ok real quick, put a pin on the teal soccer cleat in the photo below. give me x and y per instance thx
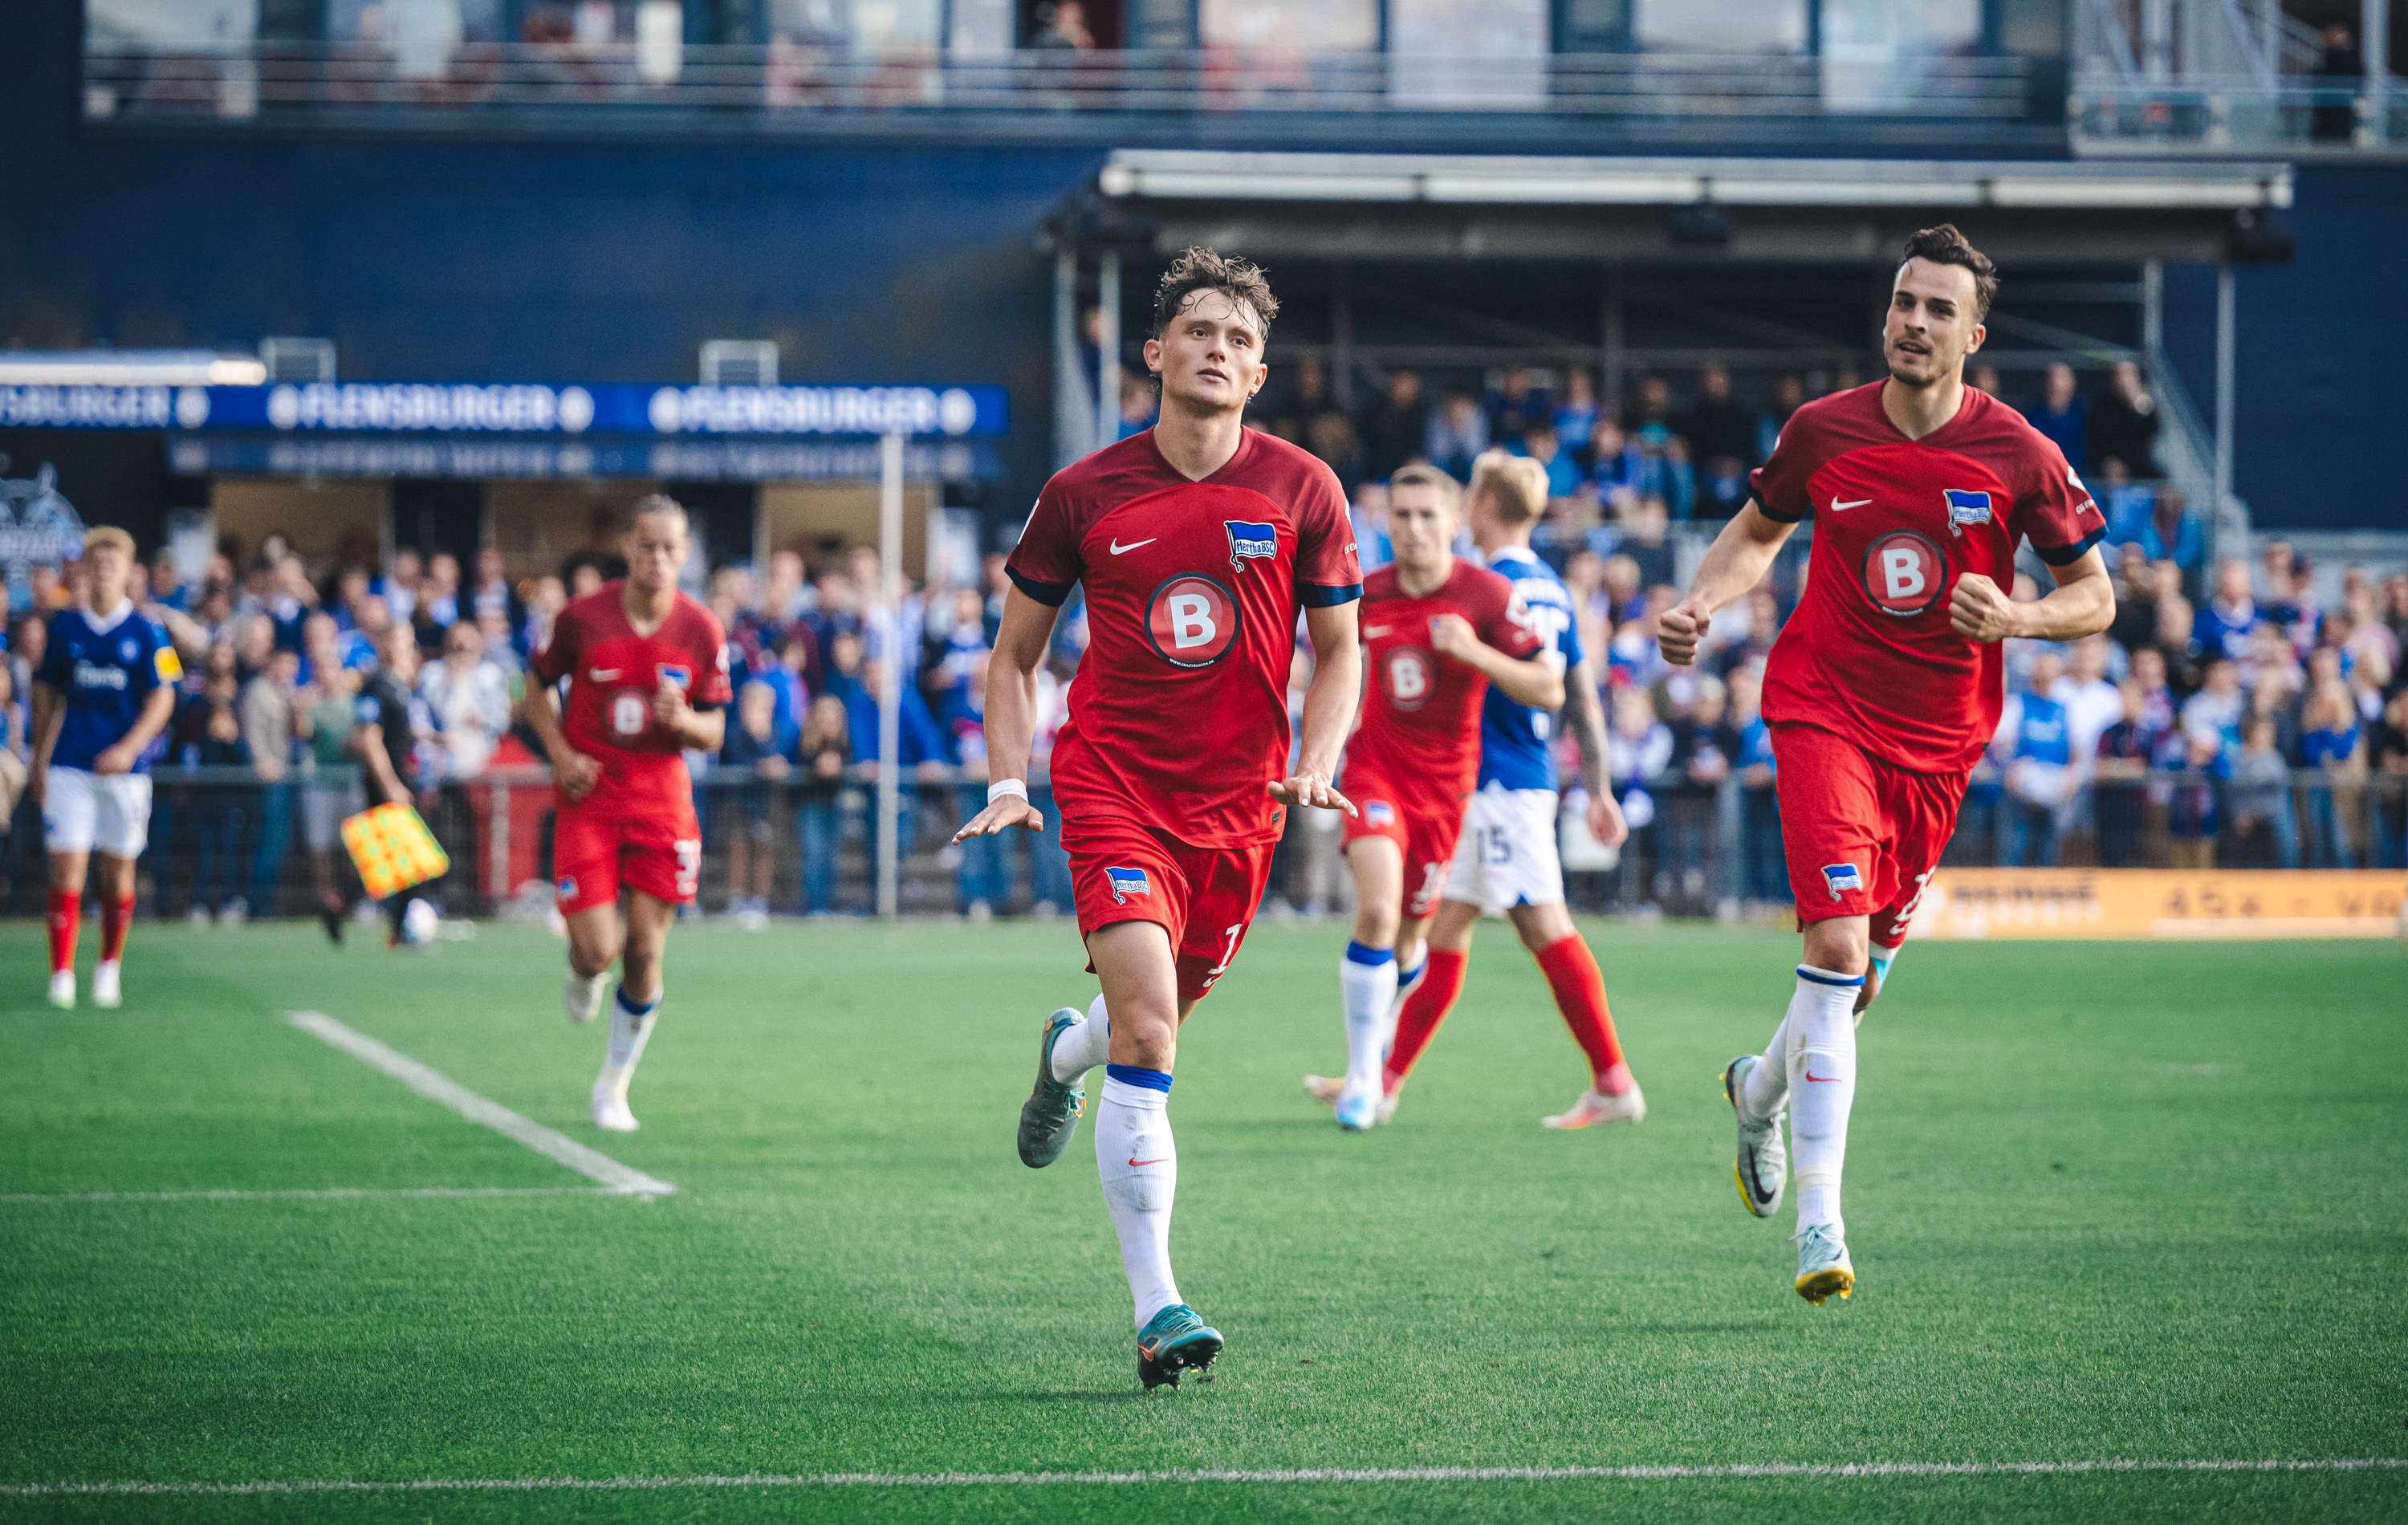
(1175, 1341)
(1762, 1168)
(1050, 1116)
(1824, 1270)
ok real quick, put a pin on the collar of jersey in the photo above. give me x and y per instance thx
(102, 627)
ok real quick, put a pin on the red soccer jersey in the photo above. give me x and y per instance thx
(1868, 654)
(612, 675)
(1179, 712)
(1421, 711)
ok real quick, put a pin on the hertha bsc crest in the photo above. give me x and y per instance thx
(1126, 882)
(1840, 878)
(1251, 541)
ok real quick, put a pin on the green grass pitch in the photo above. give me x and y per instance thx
(2106, 1202)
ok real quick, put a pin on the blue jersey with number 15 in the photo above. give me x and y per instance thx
(1514, 736)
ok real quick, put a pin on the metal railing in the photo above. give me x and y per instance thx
(2240, 116)
(219, 836)
(792, 86)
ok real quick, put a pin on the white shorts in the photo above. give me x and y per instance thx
(323, 809)
(103, 812)
(1507, 853)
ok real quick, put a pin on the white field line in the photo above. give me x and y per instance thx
(1740, 1470)
(439, 1086)
(306, 1194)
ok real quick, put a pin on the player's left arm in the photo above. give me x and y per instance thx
(1584, 712)
(1524, 680)
(701, 730)
(1330, 703)
(2082, 604)
(159, 672)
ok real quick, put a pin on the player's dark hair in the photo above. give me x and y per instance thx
(1944, 245)
(661, 503)
(1198, 268)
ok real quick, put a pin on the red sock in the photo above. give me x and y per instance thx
(1580, 994)
(67, 914)
(1423, 1010)
(115, 919)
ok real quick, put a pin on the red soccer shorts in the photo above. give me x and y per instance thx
(1203, 897)
(1861, 835)
(594, 852)
(1423, 830)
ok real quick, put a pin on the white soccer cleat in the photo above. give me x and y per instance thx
(611, 1111)
(1596, 1110)
(62, 990)
(1327, 1090)
(1824, 1270)
(1761, 1167)
(107, 990)
(582, 996)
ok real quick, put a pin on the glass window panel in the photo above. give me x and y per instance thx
(861, 25)
(170, 25)
(1721, 26)
(1302, 26)
(1477, 54)
(1879, 55)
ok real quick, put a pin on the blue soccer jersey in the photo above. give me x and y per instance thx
(105, 669)
(1514, 736)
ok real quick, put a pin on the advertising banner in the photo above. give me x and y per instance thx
(2160, 903)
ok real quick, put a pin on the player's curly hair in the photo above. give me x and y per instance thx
(1944, 245)
(1198, 268)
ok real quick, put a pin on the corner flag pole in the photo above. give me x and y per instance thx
(891, 673)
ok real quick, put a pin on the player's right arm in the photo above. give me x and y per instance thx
(556, 659)
(1734, 564)
(1021, 642)
(49, 713)
(1330, 701)
(1584, 712)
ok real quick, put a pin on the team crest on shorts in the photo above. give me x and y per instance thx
(1251, 541)
(567, 886)
(1840, 878)
(1379, 813)
(1126, 882)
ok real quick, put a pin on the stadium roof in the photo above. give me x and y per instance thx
(1373, 206)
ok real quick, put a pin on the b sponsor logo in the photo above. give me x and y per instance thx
(1409, 675)
(1129, 882)
(1904, 572)
(1841, 878)
(1192, 620)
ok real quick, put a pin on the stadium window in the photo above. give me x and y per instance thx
(1296, 26)
(1479, 54)
(1721, 26)
(871, 27)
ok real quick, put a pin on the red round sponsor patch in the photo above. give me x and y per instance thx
(1904, 572)
(1408, 676)
(1192, 620)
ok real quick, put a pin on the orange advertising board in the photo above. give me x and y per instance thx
(2160, 903)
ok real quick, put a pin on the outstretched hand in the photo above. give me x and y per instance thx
(1001, 815)
(1306, 787)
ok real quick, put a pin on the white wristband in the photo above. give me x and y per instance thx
(1006, 788)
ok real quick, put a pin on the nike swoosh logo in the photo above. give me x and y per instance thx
(1838, 507)
(1824, 1080)
(1118, 547)
(1149, 1161)
(602, 675)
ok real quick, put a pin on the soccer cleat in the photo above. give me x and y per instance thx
(332, 920)
(62, 990)
(1326, 1089)
(1596, 1110)
(1175, 1341)
(1823, 1268)
(1359, 1112)
(581, 994)
(1050, 1117)
(1762, 1168)
(106, 989)
(611, 1111)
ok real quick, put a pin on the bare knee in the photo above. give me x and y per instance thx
(1542, 927)
(1146, 1034)
(1840, 944)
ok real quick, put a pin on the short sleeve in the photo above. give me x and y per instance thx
(1567, 640)
(2054, 509)
(54, 670)
(1046, 564)
(556, 659)
(1329, 569)
(146, 674)
(716, 688)
(1781, 485)
(1508, 627)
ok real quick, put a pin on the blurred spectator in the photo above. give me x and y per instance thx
(2167, 531)
(1576, 416)
(1986, 379)
(207, 732)
(1539, 442)
(2192, 819)
(2338, 67)
(469, 700)
(2332, 748)
(1666, 474)
(1456, 432)
(15, 752)
(1515, 405)
(1330, 437)
(2216, 707)
(266, 719)
(2258, 798)
(1642, 539)
(2136, 597)
(2035, 747)
(2091, 703)
(1725, 489)
(492, 593)
(2388, 758)
(2224, 621)
(292, 602)
(2119, 793)
(1788, 396)
(438, 599)
(755, 744)
(1764, 878)
(2124, 423)
(2061, 416)
(398, 587)
(1139, 405)
(825, 752)
(1638, 747)
(1653, 404)
(330, 787)
(1062, 25)
(1718, 426)
(1395, 429)
(1619, 465)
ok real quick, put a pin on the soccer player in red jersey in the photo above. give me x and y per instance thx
(1885, 684)
(1437, 632)
(1197, 542)
(647, 674)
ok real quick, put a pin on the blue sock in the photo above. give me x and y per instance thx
(1407, 975)
(1130, 1075)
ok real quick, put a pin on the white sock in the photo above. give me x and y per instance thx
(1821, 1027)
(631, 1028)
(1083, 1047)
(1139, 1166)
(1767, 1086)
(1367, 982)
